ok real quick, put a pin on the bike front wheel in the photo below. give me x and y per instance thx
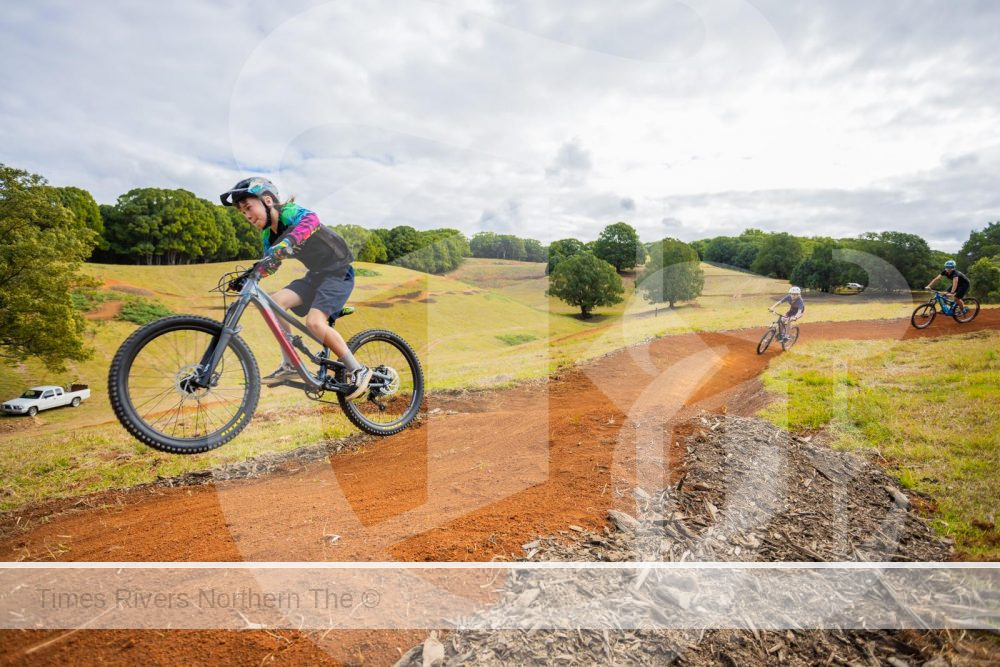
(152, 394)
(971, 311)
(765, 341)
(791, 336)
(392, 400)
(923, 316)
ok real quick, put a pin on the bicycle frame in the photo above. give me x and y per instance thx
(779, 324)
(270, 311)
(946, 306)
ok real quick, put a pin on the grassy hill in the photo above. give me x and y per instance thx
(487, 324)
(490, 323)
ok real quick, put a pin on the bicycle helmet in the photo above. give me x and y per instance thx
(950, 264)
(795, 290)
(249, 187)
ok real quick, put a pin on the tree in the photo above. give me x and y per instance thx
(908, 254)
(401, 242)
(778, 255)
(247, 237)
(42, 245)
(723, 250)
(366, 245)
(985, 243)
(619, 246)
(820, 270)
(373, 250)
(158, 226)
(485, 244)
(86, 210)
(739, 251)
(439, 251)
(985, 278)
(672, 274)
(586, 281)
(700, 246)
(561, 250)
(534, 251)
(746, 256)
(510, 247)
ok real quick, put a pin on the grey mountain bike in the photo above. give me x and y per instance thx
(187, 384)
(776, 330)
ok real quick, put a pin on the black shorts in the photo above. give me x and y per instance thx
(327, 292)
(962, 289)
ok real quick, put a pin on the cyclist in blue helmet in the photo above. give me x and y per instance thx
(290, 230)
(959, 282)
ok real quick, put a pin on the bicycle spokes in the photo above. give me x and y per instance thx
(164, 392)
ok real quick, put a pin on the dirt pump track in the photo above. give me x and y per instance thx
(484, 473)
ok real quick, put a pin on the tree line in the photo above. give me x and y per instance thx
(47, 232)
(815, 263)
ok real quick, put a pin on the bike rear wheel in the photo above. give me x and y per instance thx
(791, 336)
(395, 392)
(971, 311)
(765, 341)
(923, 316)
(152, 395)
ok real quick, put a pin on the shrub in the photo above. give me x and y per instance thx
(142, 312)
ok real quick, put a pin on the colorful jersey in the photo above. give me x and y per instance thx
(301, 235)
(963, 280)
(796, 304)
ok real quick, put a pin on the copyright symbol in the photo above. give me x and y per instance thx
(370, 598)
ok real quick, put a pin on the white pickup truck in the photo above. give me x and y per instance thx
(43, 398)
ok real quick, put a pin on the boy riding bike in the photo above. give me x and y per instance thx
(289, 230)
(796, 308)
(959, 282)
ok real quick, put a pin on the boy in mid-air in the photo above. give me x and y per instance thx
(796, 308)
(289, 230)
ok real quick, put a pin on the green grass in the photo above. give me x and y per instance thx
(929, 407)
(140, 311)
(516, 339)
(75, 464)
(488, 324)
(86, 300)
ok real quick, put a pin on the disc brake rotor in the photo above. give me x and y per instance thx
(391, 384)
(184, 382)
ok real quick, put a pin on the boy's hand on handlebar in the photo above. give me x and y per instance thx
(268, 265)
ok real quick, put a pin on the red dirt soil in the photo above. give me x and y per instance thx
(483, 474)
(106, 311)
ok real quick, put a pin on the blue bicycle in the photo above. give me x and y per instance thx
(925, 313)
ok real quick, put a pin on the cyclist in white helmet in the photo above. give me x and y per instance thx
(796, 308)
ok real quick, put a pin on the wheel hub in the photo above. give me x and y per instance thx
(392, 383)
(186, 382)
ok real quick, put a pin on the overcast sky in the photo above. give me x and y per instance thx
(544, 119)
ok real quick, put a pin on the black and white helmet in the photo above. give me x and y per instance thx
(254, 186)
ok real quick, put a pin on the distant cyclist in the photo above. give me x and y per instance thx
(959, 282)
(796, 308)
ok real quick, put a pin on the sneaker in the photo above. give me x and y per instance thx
(284, 372)
(360, 378)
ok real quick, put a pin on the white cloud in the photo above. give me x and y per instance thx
(543, 119)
